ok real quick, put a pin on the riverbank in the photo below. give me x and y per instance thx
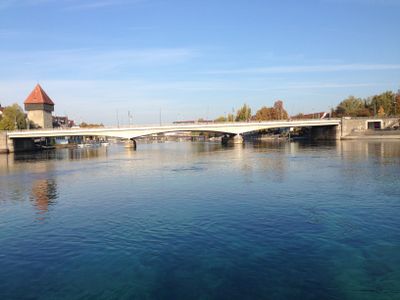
(374, 135)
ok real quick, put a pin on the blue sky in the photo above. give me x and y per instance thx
(193, 59)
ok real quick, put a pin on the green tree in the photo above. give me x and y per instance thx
(385, 100)
(13, 118)
(350, 106)
(220, 119)
(243, 114)
(231, 118)
(397, 104)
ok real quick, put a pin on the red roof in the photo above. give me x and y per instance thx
(38, 96)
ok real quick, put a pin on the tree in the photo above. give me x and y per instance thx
(243, 114)
(385, 100)
(231, 118)
(86, 125)
(381, 111)
(397, 103)
(299, 116)
(13, 118)
(280, 112)
(265, 114)
(272, 113)
(350, 106)
(220, 119)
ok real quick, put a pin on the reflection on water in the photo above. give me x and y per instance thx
(364, 149)
(44, 194)
(269, 220)
(39, 168)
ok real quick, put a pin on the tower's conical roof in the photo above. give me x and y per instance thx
(38, 96)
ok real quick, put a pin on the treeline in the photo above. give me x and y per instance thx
(385, 104)
(381, 105)
(244, 114)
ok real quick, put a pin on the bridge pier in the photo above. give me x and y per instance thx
(132, 144)
(232, 139)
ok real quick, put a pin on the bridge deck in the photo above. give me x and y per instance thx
(137, 131)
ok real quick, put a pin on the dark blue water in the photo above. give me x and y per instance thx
(202, 221)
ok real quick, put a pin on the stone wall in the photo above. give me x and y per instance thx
(326, 132)
(3, 143)
(41, 118)
(357, 125)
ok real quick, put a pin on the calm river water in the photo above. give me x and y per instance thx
(202, 221)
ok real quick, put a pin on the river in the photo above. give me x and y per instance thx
(202, 221)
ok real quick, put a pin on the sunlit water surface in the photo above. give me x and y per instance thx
(202, 221)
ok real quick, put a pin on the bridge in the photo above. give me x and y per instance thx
(234, 130)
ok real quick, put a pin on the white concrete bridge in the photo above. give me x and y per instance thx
(234, 129)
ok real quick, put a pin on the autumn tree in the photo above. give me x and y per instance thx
(299, 116)
(277, 112)
(280, 112)
(381, 111)
(264, 114)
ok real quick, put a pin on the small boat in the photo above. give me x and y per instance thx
(84, 145)
(45, 147)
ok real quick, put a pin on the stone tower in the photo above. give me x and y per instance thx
(39, 107)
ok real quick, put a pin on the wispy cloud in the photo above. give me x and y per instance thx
(89, 62)
(309, 69)
(365, 2)
(21, 3)
(100, 4)
(67, 4)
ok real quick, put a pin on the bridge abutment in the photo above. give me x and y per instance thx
(21, 145)
(8, 145)
(3, 143)
(326, 132)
